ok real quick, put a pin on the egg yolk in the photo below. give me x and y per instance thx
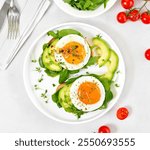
(73, 52)
(89, 93)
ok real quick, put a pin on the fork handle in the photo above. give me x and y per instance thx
(11, 3)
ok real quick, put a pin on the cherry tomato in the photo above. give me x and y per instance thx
(127, 4)
(147, 54)
(145, 17)
(122, 17)
(104, 129)
(122, 113)
(134, 15)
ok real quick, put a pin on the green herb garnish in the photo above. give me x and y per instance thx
(34, 60)
(117, 85)
(44, 95)
(36, 87)
(41, 78)
(54, 85)
(38, 69)
(118, 72)
(99, 36)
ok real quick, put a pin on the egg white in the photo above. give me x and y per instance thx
(67, 39)
(75, 98)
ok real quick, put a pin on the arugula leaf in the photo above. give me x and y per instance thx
(65, 32)
(73, 71)
(106, 83)
(55, 99)
(74, 110)
(86, 5)
(52, 33)
(67, 1)
(71, 80)
(108, 98)
(61, 33)
(64, 75)
(105, 3)
(51, 73)
(92, 61)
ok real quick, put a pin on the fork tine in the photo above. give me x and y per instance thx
(15, 33)
(13, 27)
(17, 26)
(13, 22)
(10, 27)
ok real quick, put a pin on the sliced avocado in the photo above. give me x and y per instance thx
(49, 59)
(62, 93)
(64, 97)
(112, 63)
(52, 45)
(66, 103)
(108, 75)
(103, 50)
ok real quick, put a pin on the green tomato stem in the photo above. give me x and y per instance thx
(143, 6)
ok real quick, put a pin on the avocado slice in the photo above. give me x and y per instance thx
(66, 103)
(112, 65)
(108, 75)
(64, 97)
(48, 58)
(103, 50)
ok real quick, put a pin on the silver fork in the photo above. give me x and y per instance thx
(13, 16)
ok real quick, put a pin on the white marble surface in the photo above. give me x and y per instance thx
(17, 113)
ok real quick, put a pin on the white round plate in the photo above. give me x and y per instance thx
(83, 14)
(31, 76)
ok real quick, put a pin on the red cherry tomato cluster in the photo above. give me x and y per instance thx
(133, 14)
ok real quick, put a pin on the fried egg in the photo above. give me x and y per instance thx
(72, 51)
(87, 93)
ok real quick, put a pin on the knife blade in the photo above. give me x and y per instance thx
(3, 12)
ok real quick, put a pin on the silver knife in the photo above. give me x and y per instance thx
(3, 12)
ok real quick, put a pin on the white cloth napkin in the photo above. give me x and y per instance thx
(28, 10)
